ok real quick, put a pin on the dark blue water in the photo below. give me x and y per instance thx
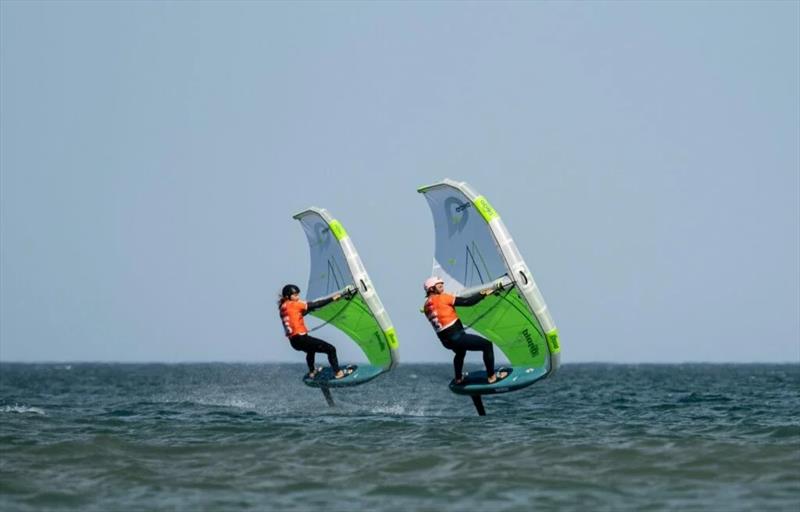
(237, 437)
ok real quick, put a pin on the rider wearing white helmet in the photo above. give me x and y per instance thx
(441, 312)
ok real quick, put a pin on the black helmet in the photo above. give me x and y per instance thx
(289, 290)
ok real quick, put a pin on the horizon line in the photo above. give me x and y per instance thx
(108, 361)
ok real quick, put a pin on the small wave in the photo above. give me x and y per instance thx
(397, 410)
(785, 431)
(23, 409)
(237, 403)
(696, 398)
(206, 401)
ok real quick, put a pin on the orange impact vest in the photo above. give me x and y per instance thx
(292, 317)
(440, 311)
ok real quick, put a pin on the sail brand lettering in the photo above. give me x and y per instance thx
(322, 234)
(457, 215)
(533, 348)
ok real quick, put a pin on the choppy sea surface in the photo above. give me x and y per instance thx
(110, 437)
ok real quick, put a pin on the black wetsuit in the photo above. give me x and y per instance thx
(458, 340)
(311, 345)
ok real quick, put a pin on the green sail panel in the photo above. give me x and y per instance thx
(505, 319)
(354, 318)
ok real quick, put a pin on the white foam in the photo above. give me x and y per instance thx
(237, 403)
(227, 402)
(23, 409)
(397, 410)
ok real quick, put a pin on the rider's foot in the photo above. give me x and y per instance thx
(497, 376)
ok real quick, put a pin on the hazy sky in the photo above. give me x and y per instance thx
(152, 155)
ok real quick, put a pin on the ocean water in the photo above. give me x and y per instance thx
(111, 437)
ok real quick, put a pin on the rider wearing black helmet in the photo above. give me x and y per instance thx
(292, 310)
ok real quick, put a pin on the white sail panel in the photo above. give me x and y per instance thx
(329, 271)
(465, 253)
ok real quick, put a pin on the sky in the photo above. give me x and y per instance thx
(152, 155)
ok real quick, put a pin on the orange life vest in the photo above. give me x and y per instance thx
(292, 317)
(440, 311)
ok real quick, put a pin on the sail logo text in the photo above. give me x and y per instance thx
(322, 234)
(457, 215)
(533, 348)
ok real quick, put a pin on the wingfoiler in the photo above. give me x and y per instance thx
(336, 268)
(473, 251)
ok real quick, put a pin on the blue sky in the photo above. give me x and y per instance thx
(152, 154)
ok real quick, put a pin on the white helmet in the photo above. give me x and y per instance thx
(431, 282)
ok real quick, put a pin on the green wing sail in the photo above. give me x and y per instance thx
(505, 318)
(337, 268)
(353, 317)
